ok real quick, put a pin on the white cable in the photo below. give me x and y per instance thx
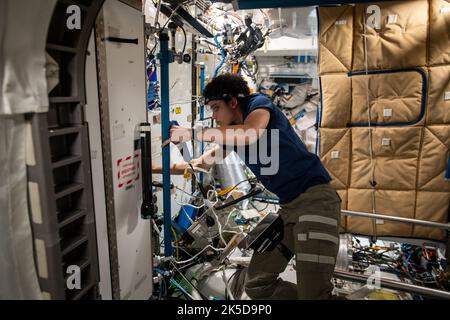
(189, 204)
(195, 256)
(225, 280)
(181, 248)
(367, 97)
(186, 203)
(366, 63)
(187, 216)
(230, 231)
(210, 206)
(220, 227)
(228, 218)
(185, 192)
(183, 102)
(209, 203)
(319, 105)
(157, 13)
(155, 227)
(171, 15)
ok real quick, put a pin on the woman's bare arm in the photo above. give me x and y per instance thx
(202, 163)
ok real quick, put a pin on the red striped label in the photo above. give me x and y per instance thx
(128, 169)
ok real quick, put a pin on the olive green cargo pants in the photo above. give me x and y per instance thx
(311, 232)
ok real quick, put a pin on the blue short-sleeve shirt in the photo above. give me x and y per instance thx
(298, 168)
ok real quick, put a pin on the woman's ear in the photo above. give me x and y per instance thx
(234, 102)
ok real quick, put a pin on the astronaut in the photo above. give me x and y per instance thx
(309, 206)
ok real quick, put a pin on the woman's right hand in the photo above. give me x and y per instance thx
(195, 164)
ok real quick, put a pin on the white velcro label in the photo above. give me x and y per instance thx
(324, 237)
(447, 96)
(334, 154)
(250, 214)
(302, 237)
(445, 9)
(386, 142)
(341, 22)
(387, 112)
(392, 18)
(379, 221)
(318, 219)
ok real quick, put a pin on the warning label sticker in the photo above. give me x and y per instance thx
(128, 170)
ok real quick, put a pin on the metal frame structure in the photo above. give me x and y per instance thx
(106, 153)
(66, 235)
(262, 4)
(424, 223)
(395, 285)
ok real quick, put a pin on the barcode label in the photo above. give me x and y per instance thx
(334, 154)
(392, 18)
(340, 22)
(386, 142)
(387, 112)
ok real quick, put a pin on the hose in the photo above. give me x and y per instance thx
(222, 52)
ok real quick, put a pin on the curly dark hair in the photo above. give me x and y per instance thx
(226, 86)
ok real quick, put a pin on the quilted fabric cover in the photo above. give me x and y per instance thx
(385, 116)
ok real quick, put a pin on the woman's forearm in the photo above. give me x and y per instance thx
(205, 162)
(236, 135)
(176, 168)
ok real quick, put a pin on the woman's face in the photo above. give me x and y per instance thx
(224, 113)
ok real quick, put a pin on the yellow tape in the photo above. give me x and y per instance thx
(225, 191)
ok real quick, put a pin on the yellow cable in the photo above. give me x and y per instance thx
(226, 191)
(176, 241)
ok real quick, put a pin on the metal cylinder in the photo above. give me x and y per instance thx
(231, 173)
(445, 226)
(344, 256)
(395, 285)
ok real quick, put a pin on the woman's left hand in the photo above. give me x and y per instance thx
(178, 134)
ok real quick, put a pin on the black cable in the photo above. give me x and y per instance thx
(255, 62)
(231, 277)
(187, 266)
(367, 256)
(252, 193)
(199, 184)
(234, 187)
(154, 48)
(146, 46)
(185, 39)
(169, 18)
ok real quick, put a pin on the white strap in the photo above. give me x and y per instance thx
(323, 236)
(318, 219)
(307, 257)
